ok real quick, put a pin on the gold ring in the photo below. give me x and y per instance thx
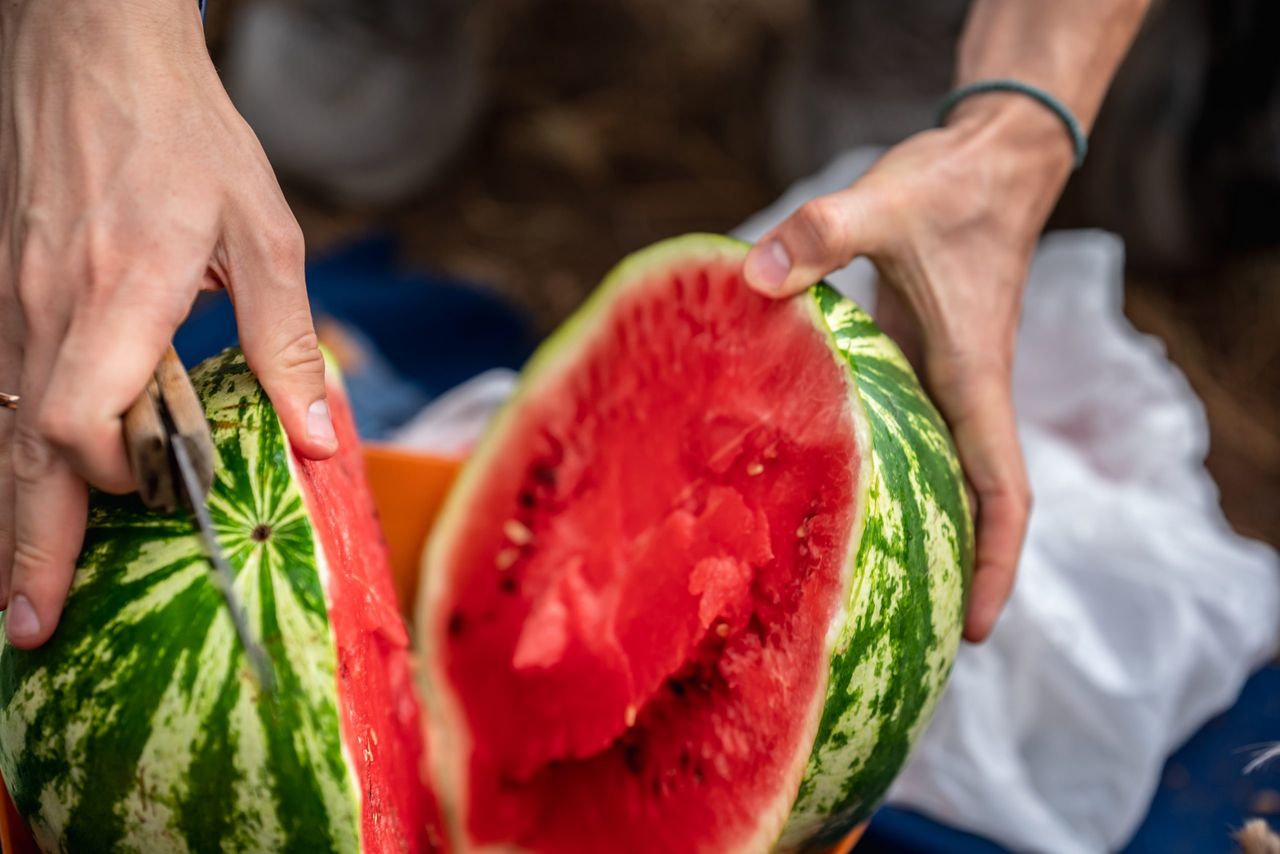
(9, 401)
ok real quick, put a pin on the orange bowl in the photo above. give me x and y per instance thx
(408, 490)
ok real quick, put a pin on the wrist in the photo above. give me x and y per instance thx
(1070, 50)
(1021, 142)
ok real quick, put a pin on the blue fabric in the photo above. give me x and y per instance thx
(897, 831)
(1203, 796)
(425, 332)
(1204, 793)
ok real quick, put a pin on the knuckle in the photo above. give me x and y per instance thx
(31, 290)
(1025, 497)
(823, 221)
(32, 456)
(285, 245)
(107, 265)
(298, 352)
(30, 559)
(59, 428)
(1017, 492)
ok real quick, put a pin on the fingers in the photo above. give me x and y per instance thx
(84, 361)
(269, 292)
(895, 318)
(110, 350)
(824, 235)
(10, 353)
(50, 505)
(979, 407)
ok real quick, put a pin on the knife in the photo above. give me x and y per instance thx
(171, 450)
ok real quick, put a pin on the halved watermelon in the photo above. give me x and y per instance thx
(138, 726)
(702, 584)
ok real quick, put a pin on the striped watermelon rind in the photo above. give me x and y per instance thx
(914, 557)
(893, 641)
(138, 726)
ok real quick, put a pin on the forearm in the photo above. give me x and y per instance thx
(97, 27)
(1071, 49)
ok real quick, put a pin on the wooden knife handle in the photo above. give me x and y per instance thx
(187, 414)
(147, 441)
(147, 435)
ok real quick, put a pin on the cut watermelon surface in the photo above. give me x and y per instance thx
(700, 587)
(381, 721)
(139, 726)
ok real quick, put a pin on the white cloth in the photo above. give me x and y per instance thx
(1137, 614)
(450, 424)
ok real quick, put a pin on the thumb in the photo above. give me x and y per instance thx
(266, 281)
(824, 235)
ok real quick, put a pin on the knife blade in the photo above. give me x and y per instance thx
(224, 575)
(171, 450)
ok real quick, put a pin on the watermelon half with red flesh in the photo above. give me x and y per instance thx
(702, 584)
(139, 725)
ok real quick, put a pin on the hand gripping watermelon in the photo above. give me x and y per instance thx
(138, 726)
(702, 584)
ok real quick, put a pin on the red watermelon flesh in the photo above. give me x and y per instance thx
(637, 590)
(381, 721)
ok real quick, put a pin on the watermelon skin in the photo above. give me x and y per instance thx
(915, 557)
(891, 642)
(138, 726)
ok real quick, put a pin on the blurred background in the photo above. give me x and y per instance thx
(532, 143)
(523, 146)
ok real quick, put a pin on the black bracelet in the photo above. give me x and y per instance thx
(1078, 141)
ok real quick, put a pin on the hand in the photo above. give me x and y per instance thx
(950, 218)
(129, 183)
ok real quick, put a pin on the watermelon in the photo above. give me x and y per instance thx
(702, 583)
(139, 726)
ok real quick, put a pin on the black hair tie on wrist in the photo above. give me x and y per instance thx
(1079, 143)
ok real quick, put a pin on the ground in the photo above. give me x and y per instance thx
(657, 127)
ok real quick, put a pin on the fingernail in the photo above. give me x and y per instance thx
(21, 619)
(772, 265)
(320, 425)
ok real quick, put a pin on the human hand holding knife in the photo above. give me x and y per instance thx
(171, 450)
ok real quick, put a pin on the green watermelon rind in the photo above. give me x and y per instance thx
(888, 668)
(210, 764)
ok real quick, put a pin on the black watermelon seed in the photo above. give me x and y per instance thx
(631, 755)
